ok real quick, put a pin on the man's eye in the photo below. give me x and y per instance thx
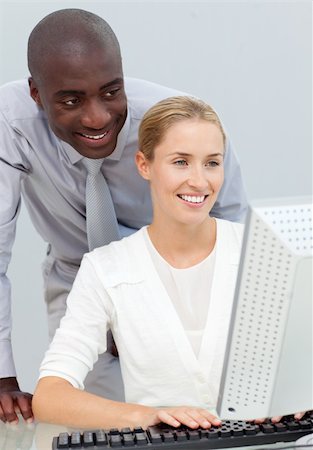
(71, 101)
(112, 93)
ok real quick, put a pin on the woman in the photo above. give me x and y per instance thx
(165, 292)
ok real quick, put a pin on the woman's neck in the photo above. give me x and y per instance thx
(183, 246)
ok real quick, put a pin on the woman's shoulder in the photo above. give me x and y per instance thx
(120, 260)
(230, 232)
(232, 227)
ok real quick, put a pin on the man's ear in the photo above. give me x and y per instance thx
(33, 90)
(143, 165)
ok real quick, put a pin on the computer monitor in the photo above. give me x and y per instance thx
(268, 366)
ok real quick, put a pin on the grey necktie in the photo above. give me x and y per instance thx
(102, 226)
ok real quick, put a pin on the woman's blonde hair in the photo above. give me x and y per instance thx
(160, 117)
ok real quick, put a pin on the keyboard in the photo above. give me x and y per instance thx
(163, 437)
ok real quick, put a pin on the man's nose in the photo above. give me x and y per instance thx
(95, 115)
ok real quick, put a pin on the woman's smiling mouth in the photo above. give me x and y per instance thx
(193, 198)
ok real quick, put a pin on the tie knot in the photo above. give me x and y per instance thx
(93, 166)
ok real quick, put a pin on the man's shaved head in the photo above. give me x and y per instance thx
(67, 32)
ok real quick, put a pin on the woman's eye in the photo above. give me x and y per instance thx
(213, 163)
(180, 162)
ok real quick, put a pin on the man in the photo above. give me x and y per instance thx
(80, 108)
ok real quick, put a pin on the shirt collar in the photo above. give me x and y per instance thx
(74, 156)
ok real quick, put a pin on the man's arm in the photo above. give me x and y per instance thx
(11, 173)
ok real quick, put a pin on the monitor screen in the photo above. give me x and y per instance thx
(268, 366)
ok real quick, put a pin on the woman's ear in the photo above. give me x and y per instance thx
(143, 165)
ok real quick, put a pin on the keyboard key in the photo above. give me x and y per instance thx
(237, 431)
(168, 436)
(280, 427)
(115, 440)
(63, 441)
(141, 438)
(251, 429)
(181, 436)
(193, 435)
(305, 424)
(225, 432)
(128, 439)
(100, 438)
(88, 439)
(268, 428)
(292, 425)
(114, 431)
(155, 438)
(76, 440)
(213, 433)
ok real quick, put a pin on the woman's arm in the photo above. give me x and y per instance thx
(57, 401)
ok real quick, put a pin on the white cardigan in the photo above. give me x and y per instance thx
(118, 287)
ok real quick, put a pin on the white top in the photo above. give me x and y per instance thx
(118, 287)
(51, 176)
(189, 290)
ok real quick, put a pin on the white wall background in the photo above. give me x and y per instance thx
(252, 60)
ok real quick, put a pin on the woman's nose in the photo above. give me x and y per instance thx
(198, 178)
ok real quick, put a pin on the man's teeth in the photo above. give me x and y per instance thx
(193, 199)
(99, 136)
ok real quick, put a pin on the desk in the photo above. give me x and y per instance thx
(39, 437)
(28, 437)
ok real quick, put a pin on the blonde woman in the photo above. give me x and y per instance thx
(165, 292)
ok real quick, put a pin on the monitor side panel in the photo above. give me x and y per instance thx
(294, 379)
(225, 395)
(260, 314)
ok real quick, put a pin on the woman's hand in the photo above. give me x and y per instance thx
(186, 415)
(276, 419)
(297, 416)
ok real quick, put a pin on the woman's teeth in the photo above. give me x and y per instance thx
(193, 199)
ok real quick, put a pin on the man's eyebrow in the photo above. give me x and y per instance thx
(64, 92)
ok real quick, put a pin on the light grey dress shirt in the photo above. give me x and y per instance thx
(51, 178)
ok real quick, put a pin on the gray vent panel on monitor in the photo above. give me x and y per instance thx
(277, 240)
(292, 224)
(257, 332)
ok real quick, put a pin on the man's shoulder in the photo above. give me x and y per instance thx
(16, 102)
(143, 87)
(142, 94)
(14, 89)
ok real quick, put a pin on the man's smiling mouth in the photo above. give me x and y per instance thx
(95, 137)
